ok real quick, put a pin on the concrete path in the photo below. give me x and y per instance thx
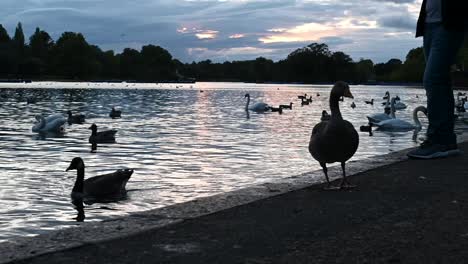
(409, 212)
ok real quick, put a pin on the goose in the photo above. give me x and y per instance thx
(115, 113)
(371, 102)
(325, 116)
(309, 99)
(258, 107)
(276, 109)
(287, 106)
(396, 124)
(305, 102)
(107, 136)
(51, 124)
(75, 119)
(335, 140)
(110, 185)
(353, 105)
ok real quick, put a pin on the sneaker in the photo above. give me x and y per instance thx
(429, 150)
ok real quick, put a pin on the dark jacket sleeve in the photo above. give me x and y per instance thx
(454, 16)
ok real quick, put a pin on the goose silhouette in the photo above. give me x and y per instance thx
(334, 140)
(107, 186)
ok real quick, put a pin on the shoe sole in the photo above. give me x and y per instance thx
(438, 155)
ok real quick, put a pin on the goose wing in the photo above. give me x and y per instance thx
(108, 184)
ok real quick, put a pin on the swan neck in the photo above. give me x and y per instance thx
(247, 104)
(416, 118)
(335, 106)
(79, 183)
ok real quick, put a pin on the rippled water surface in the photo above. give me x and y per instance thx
(183, 143)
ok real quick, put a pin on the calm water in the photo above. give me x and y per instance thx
(182, 143)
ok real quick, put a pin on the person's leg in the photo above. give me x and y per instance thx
(441, 48)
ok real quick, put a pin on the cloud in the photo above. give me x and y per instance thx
(222, 29)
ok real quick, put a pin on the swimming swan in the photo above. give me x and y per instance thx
(110, 185)
(396, 124)
(52, 124)
(335, 140)
(257, 107)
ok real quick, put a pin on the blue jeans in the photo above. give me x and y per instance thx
(440, 50)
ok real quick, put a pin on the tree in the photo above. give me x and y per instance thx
(4, 37)
(74, 58)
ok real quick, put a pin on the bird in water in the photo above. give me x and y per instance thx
(115, 113)
(353, 105)
(334, 140)
(107, 136)
(109, 186)
(75, 119)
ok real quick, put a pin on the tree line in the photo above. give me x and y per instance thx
(71, 57)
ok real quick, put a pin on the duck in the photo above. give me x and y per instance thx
(115, 113)
(287, 106)
(75, 119)
(276, 109)
(335, 140)
(51, 124)
(353, 105)
(325, 116)
(107, 136)
(258, 107)
(371, 102)
(395, 124)
(111, 185)
(398, 104)
(302, 97)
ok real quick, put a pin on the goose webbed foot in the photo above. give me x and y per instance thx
(344, 181)
(345, 185)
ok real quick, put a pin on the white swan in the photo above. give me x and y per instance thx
(375, 118)
(257, 107)
(396, 124)
(53, 123)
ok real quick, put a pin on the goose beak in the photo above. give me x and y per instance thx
(69, 168)
(348, 94)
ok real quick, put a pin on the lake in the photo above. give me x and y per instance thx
(184, 141)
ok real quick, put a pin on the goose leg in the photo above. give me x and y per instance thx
(344, 182)
(325, 170)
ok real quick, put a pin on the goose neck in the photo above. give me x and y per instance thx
(79, 183)
(247, 104)
(335, 106)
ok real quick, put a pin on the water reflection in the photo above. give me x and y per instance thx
(183, 143)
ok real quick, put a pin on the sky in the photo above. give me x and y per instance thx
(220, 30)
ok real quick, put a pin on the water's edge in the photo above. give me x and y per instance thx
(94, 232)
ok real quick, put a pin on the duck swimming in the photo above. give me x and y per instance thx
(335, 140)
(107, 136)
(75, 119)
(115, 113)
(110, 185)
